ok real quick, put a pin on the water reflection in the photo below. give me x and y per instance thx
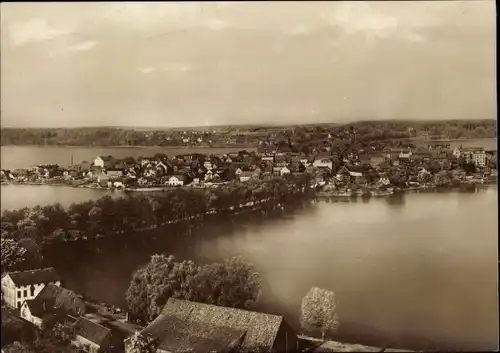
(404, 274)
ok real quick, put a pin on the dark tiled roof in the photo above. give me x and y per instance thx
(185, 318)
(107, 158)
(53, 298)
(177, 335)
(90, 330)
(25, 278)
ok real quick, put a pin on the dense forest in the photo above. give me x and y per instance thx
(364, 130)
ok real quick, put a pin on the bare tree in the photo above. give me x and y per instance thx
(318, 311)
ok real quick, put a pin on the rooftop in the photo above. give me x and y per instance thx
(26, 278)
(92, 331)
(192, 322)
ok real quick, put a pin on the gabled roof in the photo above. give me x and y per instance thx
(186, 320)
(53, 298)
(176, 335)
(106, 158)
(43, 275)
(90, 330)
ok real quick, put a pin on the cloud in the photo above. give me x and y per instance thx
(164, 14)
(83, 46)
(299, 29)
(147, 69)
(35, 30)
(65, 46)
(375, 22)
(173, 67)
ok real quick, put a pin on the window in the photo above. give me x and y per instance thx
(25, 293)
(19, 294)
(32, 290)
(18, 305)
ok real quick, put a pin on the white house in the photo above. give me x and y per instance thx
(323, 163)
(20, 286)
(207, 165)
(175, 180)
(103, 161)
(457, 153)
(475, 155)
(245, 176)
(91, 336)
(208, 175)
(284, 171)
(238, 171)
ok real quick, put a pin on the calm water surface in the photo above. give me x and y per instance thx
(418, 269)
(14, 157)
(19, 196)
(421, 268)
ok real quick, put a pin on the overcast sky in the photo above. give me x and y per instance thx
(190, 64)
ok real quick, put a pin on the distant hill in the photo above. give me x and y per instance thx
(244, 134)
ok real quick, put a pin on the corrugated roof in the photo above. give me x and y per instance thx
(90, 330)
(43, 275)
(260, 328)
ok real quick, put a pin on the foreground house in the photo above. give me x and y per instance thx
(51, 304)
(25, 285)
(184, 325)
(91, 336)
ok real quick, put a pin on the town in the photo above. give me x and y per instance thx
(363, 171)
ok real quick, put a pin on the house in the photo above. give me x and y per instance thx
(280, 160)
(457, 153)
(25, 285)
(91, 336)
(284, 171)
(104, 161)
(267, 157)
(101, 178)
(114, 173)
(323, 163)
(208, 175)
(51, 303)
(238, 171)
(184, 325)
(245, 176)
(405, 155)
(176, 180)
(476, 156)
(207, 165)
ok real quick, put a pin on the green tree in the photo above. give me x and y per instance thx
(319, 311)
(33, 254)
(232, 283)
(151, 286)
(13, 255)
(139, 343)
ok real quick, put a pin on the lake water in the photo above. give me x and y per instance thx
(14, 157)
(416, 270)
(19, 196)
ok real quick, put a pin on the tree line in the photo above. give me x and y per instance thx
(364, 130)
(25, 231)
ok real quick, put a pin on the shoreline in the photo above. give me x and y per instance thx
(396, 191)
(345, 194)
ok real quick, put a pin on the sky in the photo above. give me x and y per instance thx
(174, 64)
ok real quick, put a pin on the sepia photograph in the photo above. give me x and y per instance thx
(249, 177)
